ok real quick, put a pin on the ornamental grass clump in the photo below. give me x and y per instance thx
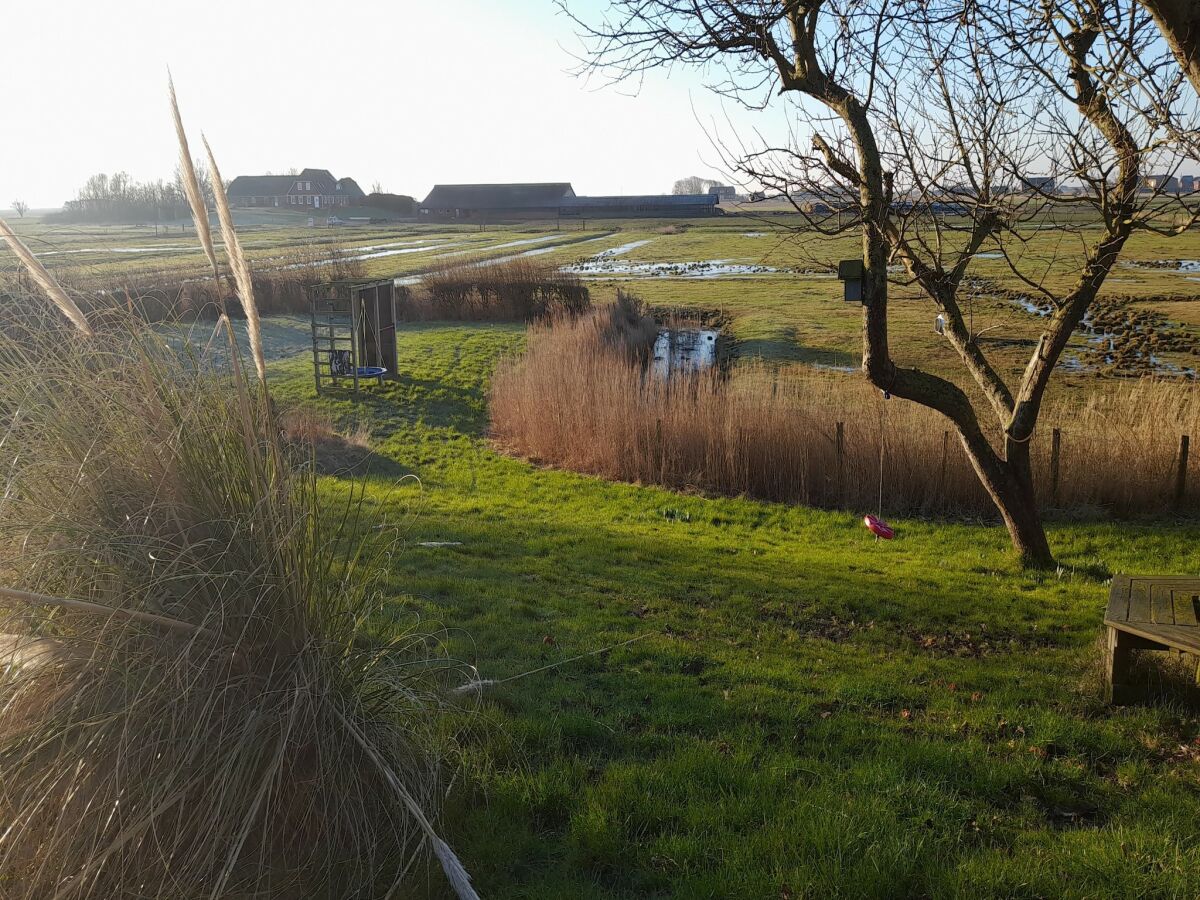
(190, 701)
(213, 724)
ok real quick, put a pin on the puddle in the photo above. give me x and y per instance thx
(754, 234)
(991, 254)
(829, 367)
(380, 254)
(173, 249)
(409, 243)
(678, 351)
(1032, 307)
(622, 250)
(355, 257)
(1118, 341)
(524, 242)
(410, 280)
(713, 268)
(1169, 265)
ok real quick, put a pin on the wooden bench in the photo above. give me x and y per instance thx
(1157, 612)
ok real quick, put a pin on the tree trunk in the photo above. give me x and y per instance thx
(1009, 482)
(1179, 22)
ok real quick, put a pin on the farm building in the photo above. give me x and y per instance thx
(660, 206)
(1166, 183)
(312, 188)
(1043, 184)
(489, 202)
(497, 202)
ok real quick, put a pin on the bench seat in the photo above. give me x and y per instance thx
(1148, 612)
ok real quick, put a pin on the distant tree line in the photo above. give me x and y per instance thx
(694, 184)
(118, 198)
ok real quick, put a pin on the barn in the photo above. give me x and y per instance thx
(494, 202)
(646, 206)
(553, 200)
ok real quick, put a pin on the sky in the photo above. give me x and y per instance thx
(406, 93)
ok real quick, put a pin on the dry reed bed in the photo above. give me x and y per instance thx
(519, 289)
(578, 398)
(192, 293)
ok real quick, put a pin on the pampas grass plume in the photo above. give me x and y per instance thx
(45, 280)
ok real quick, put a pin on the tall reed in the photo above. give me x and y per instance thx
(191, 183)
(579, 400)
(521, 288)
(240, 266)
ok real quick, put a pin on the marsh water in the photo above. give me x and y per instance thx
(678, 351)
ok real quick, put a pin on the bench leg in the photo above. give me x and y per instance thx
(1116, 666)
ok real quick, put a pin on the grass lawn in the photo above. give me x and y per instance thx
(809, 714)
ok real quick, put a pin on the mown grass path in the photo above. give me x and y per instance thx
(813, 715)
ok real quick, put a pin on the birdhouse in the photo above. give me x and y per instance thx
(852, 273)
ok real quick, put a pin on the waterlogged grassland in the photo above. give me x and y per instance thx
(775, 283)
(809, 714)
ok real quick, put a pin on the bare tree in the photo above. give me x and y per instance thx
(925, 124)
(693, 184)
(376, 187)
(20, 207)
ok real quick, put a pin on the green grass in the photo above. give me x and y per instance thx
(811, 715)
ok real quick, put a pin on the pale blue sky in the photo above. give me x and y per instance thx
(407, 92)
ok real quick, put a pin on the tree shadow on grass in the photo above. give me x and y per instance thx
(784, 347)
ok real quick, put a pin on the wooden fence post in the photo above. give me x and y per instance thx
(1181, 474)
(841, 480)
(660, 451)
(945, 457)
(1055, 456)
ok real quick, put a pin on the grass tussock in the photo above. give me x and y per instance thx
(578, 398)
(522, 289)
(257, 747)
(190, 705)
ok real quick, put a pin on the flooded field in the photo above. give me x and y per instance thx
(607, 267)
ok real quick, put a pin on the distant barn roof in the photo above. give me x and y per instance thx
(260, 185)
(498, 196)
(644, 200)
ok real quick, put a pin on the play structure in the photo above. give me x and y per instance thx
(353, 332)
